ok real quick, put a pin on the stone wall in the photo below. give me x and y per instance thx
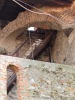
(59, 49)
(63, 50)
(38, 80)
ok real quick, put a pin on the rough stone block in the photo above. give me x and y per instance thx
(38, 80)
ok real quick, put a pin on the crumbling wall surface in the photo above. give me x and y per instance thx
(63, 50)
(70, 58)
(38, 80)
(59, 49)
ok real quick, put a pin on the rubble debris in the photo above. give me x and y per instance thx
(41, 80)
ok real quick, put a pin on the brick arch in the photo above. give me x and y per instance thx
(27, 18)
(9, 42)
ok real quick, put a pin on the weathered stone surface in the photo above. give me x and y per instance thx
(38, 80)
(70, 59)
(63, 50)
(59, 49)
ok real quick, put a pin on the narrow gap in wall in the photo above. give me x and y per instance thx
(12, 88)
